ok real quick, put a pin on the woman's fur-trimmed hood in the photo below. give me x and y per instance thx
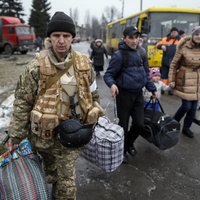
(182, 42)
(187, 41)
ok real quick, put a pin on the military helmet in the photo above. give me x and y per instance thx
(71, 133)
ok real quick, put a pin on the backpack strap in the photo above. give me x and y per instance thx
(125, 58)
(142, 53)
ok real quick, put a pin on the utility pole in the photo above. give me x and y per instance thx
(140, 5)
(122, 8)
(70, 12)
(122, 15)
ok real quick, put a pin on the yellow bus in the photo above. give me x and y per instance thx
(156, 22)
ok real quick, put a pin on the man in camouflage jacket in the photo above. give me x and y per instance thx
(40, 106)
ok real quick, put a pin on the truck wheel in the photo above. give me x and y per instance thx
(8, 49)
(24, 52)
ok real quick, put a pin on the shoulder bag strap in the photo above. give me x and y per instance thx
(154, 101)
(54, 79)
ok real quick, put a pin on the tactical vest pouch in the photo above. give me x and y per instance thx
(48, 123)
(35, 122)
(43, 125)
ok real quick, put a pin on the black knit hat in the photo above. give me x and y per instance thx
(181, 32)
(62, 23)
(174, 29)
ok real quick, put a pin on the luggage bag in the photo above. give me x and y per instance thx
(160, 129)
(106, 148)
(21, 175)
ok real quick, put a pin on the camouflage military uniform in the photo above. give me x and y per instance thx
(59, 161)
(59, 167)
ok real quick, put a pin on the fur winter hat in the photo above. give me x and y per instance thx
(61, 22)
(154, 72)
(196, 30)
(98, 40)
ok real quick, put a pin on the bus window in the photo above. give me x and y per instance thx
(117, 30)
(129, 22)
(113, 35)
(109, 33)
(123, 26)
(135, 21)
(114, 32)
(161, 23)
(145, 26)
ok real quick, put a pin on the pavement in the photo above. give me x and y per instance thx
(152, 174)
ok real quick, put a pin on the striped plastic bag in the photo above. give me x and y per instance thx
(106, 148)
(22, 178)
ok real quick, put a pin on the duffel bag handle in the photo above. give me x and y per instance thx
(154, 101)
(116, 119)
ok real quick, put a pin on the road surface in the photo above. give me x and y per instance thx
(152, 174)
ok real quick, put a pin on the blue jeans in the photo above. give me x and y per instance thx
(188, 108)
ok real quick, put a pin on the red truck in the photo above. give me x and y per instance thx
(15, 36)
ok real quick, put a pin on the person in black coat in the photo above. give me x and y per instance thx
(126, 75)
(97, 56)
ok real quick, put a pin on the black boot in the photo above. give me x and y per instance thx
(132, 135)
(188, 132)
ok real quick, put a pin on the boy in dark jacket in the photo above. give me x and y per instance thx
(126, 75)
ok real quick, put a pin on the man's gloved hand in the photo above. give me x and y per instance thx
(101, 110)
(93, 115)
(163, 47)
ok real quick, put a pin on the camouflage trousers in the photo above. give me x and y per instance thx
(59, 167)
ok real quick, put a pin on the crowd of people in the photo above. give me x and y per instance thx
(180, 73)
(42, 103)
